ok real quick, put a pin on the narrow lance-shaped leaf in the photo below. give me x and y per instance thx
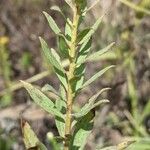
(82, 130)
(82, 34)
(68, 30)
(61, 106)
(121, 146)
(97, 54)
(146, 110)
(52, 23)
(92, 31)
(97, 75)
(83, 52)
(59, 70)
(30, 139)
(91, 104)
(50, 57)
(42, 100)
(63, 46)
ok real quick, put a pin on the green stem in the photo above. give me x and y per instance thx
(70, 75)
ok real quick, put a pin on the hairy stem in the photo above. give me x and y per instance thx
(70, 93)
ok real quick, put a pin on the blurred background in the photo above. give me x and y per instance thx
(126, 24)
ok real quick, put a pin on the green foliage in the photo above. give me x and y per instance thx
(73, 44)
(5, 71)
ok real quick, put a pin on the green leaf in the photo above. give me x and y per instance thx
(80, 69)
(42, 100)
(81, 5)
(142, 144)
(82, 34)
(50, 57)
(52, 23)
(68, 30)
(97, 54)
(121, 146)
(30, 139)
(91, 104)
(97, 75)
(82, 130)
(146, 110)
(92, 31)
(83, 52)
(63, 46)
(55, 55)
(53, 60)
(135, 7)
(61, 106)
(60, 124)
(78, 81)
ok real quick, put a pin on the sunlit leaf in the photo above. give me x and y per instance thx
(97, 75)
(42, 100)
(52, 23)
(59, 70)
(97, 54)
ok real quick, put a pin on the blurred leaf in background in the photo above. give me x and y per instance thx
(5, 70)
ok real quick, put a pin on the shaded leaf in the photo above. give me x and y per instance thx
(81, 5)
(83, 52)
(61, 106)
(146, 110)
(82, 34)
(82, 130)
(92, 30)
(63, 46)
(78, 81)
(52, 23)
(42, 100)
(97, 75)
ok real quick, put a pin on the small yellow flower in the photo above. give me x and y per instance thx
(4, 40)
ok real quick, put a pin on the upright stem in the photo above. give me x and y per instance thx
(70, 75)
